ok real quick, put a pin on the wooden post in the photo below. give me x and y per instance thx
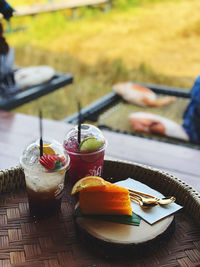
(74, 13)
(9, 27)
(108, 5)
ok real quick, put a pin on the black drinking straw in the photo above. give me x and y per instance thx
(79, 122)
(41, 141)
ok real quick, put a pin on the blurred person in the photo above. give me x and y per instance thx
(191, 116)
(6, 9)
(7, 82)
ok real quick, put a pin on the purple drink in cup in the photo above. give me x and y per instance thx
(86, 157)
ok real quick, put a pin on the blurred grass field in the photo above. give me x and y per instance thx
(147, 41)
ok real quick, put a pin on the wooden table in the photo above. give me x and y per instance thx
(17, 130)
(55, 242)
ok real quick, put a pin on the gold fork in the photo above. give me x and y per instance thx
(140, 193)
(149, 199)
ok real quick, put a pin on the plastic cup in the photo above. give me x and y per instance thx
(84, 163)
(44, 187)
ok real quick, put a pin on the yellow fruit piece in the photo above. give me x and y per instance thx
(48, 150)
(86, 182)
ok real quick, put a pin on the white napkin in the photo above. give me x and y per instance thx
(150, 215)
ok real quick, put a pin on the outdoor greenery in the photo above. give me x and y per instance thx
(150, 41)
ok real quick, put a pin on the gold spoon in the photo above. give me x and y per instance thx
(166, 200)
(142, 204)
(145, 200)
(154, 201)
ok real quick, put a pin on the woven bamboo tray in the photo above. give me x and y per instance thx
(55, 241)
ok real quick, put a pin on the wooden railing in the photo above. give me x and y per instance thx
(52, 6)
(55, 6)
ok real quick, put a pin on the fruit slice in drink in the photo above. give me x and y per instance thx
(89, 149)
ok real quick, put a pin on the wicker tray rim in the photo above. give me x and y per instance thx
(13, 178)
(190, 190)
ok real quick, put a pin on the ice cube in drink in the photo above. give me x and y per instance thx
(86, 157)
(44, 182)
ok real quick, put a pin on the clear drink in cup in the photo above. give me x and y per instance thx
(86, 157)
(44, 181)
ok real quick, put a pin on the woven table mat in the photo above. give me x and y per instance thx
(55, 242)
